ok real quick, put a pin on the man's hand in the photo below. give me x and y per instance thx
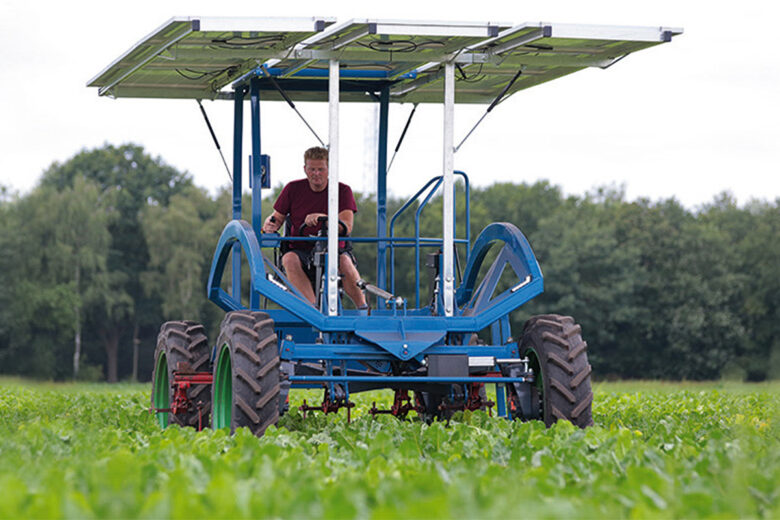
(272, 223)
(311, 219)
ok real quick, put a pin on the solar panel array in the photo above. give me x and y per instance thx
(205, 58)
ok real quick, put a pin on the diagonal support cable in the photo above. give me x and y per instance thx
(214, 137)
(401, 139)
(290, 102)
(491, 107)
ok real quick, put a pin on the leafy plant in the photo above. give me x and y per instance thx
(657, 450)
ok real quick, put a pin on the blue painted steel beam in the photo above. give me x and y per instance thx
(467, 191)
(501, 330)
(418, 241)
(256, 174)
(381, 194)
(257, 222)
(517, 250)
(417, 214)
(501, 401)
(323, 73)
(406, 379)
(238, 127)
(289, 350)
(392, 331)
(273, 240)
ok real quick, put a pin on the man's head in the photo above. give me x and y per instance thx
(315, 165)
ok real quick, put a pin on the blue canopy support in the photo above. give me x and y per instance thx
(381, 192)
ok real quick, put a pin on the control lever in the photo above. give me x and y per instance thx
(376, 291)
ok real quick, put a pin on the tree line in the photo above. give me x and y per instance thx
(113, 242)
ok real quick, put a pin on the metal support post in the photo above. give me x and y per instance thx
(449, 198)
(333, 188)
(238, 128)
(501, 400)
(257, 222)
(381, 194)
(256, 173)
(500, 331)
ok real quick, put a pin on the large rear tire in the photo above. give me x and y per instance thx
(246, 373)
(183, 346)
(557, 355)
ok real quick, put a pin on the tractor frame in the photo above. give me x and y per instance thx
(431, 350)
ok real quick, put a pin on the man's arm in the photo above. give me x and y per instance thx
(347, 216)
(273, 222)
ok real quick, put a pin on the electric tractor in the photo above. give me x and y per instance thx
(438, 349)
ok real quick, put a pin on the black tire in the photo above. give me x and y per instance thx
(183, 346)
(246, 373)
(557, 355)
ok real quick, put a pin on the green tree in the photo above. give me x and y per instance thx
(36, 315)
(589, 273)
(131, 180)
(751, 233)
(80, 249)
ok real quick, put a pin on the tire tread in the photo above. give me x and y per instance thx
(556, 343)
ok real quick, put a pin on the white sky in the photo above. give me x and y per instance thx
(688, 119)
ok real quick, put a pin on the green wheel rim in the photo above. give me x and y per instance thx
(223, 390)
(161, 389)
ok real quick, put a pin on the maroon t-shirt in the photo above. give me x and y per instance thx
(298, 200)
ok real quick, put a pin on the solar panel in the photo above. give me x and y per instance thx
(204, 57)
(196, 57)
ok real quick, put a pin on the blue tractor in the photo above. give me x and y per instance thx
(428, 352)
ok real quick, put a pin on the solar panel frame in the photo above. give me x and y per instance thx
(190, 57)
(152, 67)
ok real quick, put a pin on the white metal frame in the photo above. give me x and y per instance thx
(448, 231)
(333, 187)
(312, 44)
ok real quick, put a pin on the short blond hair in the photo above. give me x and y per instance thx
(315, 153)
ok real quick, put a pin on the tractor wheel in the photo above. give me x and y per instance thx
(181, 345)
(246, 373)
(556, 353)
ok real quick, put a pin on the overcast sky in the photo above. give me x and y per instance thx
(688, 119)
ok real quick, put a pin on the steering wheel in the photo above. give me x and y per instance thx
(303, 231)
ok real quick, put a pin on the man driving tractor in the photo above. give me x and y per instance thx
(305, 202)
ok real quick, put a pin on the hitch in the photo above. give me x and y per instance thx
(329, 405)
(473, 402)
(182, 381)
(402, 405)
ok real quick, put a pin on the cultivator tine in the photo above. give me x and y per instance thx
(329, 406)
(402, 405)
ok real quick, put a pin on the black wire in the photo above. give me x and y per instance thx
(406, 45)
(474, 78)
(390, 45)
(539, 46)
(249, 41)
(200, 74)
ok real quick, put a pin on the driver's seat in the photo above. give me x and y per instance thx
(284, 247)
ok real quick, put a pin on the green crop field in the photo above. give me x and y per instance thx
(657, 450)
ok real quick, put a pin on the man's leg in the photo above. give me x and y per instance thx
(349, 278)
(297, 276)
